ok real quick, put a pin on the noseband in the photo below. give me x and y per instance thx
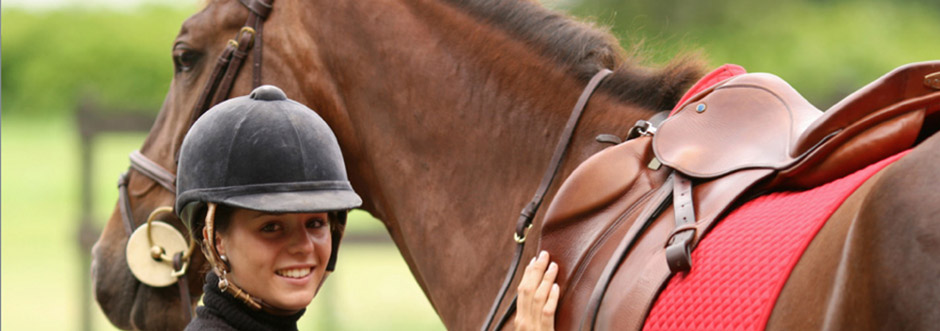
(216, 90)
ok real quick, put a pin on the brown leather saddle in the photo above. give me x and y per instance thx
(628, 217)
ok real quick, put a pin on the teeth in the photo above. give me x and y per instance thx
(294, 273)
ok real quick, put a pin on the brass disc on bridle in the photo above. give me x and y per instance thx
(156, 272)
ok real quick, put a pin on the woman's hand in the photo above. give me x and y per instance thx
(537, 295)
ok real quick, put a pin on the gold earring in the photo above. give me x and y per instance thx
(223, 282)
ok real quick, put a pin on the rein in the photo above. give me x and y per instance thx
(524, 223)
(216, 90)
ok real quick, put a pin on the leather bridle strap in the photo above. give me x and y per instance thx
(216, 90)
(222, 78)
(658, 203)
(149, 169)
(528, 213)
(124, 203)
(183, 283)
(153, 170)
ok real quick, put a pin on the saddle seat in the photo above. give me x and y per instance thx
(760, 121)
(750, 133)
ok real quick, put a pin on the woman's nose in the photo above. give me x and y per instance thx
(302, 242)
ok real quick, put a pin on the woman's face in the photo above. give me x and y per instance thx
(280, 258)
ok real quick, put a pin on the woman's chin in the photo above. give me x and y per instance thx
(293, 300)
(292, 304)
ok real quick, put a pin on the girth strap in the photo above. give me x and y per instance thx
(659, 202)
(679, 246)
(528, 213)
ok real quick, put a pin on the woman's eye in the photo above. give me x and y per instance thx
(271, 227)
(184, 58)
(316, 223)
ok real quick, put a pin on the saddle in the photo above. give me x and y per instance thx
(628, 217)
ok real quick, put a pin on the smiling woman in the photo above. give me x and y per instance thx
(263, 188)
(276, 255)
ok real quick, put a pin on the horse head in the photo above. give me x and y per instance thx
(444, 111)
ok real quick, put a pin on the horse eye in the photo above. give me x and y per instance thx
(184, 58)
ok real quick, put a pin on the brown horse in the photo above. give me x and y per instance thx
(446, 112)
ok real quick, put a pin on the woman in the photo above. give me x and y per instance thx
(263, 188)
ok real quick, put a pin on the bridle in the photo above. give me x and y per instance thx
(524, 223)
(216, 90)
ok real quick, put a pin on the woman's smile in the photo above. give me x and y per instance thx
(295, 273)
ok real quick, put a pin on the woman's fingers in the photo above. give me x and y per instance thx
(545, 285)
(529, 283)
(548, 310)
(537, 295)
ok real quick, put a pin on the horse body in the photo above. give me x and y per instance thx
(446, 124)
(874, 265)
(446, 114)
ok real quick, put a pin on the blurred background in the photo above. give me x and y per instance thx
(113, 56)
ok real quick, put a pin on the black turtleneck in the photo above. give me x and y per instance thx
(222, 311)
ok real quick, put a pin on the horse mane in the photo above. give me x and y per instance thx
(585, 49)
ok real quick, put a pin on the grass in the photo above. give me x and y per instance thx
(42, 259)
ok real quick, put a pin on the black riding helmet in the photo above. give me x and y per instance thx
(263, 152)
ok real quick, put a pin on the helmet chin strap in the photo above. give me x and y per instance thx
(221, 268)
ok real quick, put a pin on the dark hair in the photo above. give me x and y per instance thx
(223, 216)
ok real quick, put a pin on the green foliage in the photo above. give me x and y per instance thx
(52, 59)
(825, 49)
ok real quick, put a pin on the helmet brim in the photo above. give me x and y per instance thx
(296, 201)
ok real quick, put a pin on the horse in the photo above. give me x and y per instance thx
(445, 111)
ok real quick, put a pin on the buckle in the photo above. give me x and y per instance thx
(521, 238)
(641, 128)
(679, 248)
(246, 30)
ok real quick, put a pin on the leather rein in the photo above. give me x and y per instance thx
(216, 90)
(524, 223)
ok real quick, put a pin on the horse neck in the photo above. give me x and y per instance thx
(447, 125)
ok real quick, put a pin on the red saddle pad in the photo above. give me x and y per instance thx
(739, 269)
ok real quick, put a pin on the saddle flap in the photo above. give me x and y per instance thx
(592, 210)
(748, 121)
(606, 183)
(596, 181)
